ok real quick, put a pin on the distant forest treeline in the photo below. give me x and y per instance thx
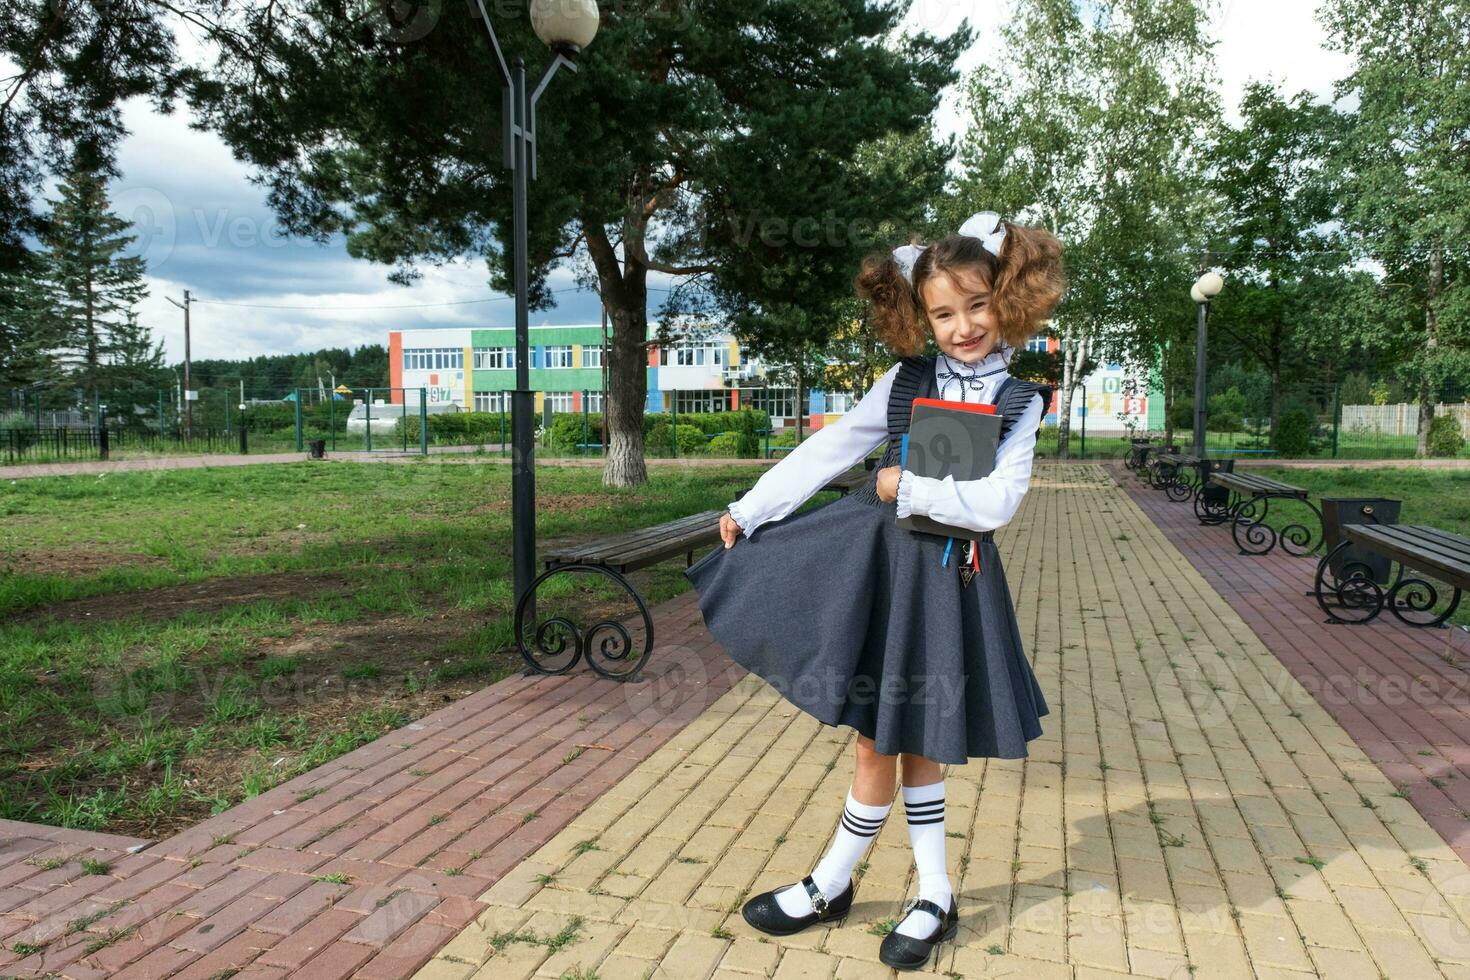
(274, 375)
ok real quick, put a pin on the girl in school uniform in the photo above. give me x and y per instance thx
(907, 637)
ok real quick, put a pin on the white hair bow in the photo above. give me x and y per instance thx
(985, 226)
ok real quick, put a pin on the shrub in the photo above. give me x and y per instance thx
(691, 439)
(724, 444)
(1181, 413)
(1227, 411)
(1294, 432)
(1445, 437)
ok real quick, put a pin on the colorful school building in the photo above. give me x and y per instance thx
(474, 369)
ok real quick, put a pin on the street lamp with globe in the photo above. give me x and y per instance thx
(566, 27)
(1205, 288)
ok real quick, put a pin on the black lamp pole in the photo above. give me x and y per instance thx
(1199, 382)
(520, 159)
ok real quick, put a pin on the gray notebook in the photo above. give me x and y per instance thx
(949, 438)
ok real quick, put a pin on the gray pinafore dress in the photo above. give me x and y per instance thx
(854, 620)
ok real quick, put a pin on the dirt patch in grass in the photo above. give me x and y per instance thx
(209, 596)
(90, 561)
(266, 717)
(566, 503)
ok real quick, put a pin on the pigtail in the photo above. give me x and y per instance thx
(1028, 283)
(897, 319)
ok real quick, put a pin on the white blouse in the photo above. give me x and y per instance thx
(984, 504)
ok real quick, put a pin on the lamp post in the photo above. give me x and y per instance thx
(1205, 288)
(244, 446)
(565, 26)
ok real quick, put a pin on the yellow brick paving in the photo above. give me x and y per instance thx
(1191, 812)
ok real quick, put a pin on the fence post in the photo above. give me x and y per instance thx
(300, 436)
(332, 417)
(674, 422)
(424, 421)
(102, 430)
(368, 429)
(1336, 416)
(1084, 423)
(502, 424)
(586, 424)
(160, 418)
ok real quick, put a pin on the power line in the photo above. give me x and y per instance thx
(413, 306)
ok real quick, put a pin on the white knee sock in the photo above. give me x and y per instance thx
(924, 808)
(859, 825)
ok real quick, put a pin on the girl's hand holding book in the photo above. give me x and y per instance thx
(887, 487)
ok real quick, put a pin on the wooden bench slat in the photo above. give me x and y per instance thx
(1442, 544)
(1249, 483)
(1420, 547)
(633, 540)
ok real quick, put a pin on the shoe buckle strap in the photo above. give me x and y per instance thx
(819, 901)
(924, 905)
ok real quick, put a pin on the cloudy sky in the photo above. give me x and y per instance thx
(205, 227)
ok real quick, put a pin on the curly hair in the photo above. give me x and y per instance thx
(1026, 282)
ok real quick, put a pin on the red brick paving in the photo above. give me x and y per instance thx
(1402, 693)
(471, 789)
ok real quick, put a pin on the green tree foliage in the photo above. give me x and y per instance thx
(274, 375)
(1279, 254)
(1089, 128)
(70, 66)
(715, 142)
(27, 335)
(93, 288)
(1405, 187)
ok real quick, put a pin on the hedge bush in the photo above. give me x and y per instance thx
(1294, 432)
(1445, 437)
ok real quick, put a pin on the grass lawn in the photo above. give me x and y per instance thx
(174, 642)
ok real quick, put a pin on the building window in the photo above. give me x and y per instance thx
(694, 355)
(1037, 344)
(559, 401)
(591, 356)
(840, 401)
(701, 401)
(778, 402)
(433, 359)
(492, 401)
(559, 356)
(494, 358)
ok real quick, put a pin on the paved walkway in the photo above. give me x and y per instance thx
(1191, 812)
(1402, 693)
(363, 867)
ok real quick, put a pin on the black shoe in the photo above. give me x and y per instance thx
(764, 913)
(908, 953)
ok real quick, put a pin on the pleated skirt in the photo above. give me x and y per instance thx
(854, 620)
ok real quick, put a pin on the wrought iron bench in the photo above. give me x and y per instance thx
(1161, 468)
(1249, 500)
(1137, 453)
(1350, 591)
(554, 645)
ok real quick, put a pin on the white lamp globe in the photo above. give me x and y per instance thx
(565, 23)
(1196, 295)
(1210, 284)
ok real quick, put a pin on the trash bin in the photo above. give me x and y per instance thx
(318, 448)
(1214, 496)
(1337, 511)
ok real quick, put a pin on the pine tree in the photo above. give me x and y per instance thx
(95, 287)
(27, 340)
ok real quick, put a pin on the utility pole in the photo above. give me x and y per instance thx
(188, 405)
